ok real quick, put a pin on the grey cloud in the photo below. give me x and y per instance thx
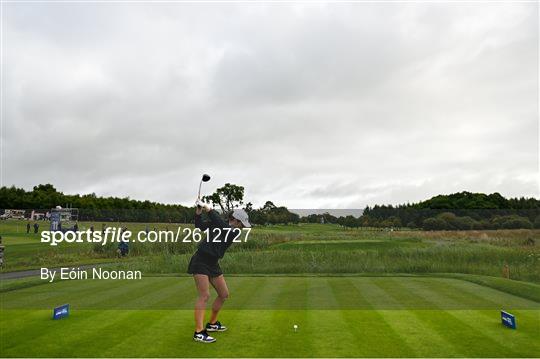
(311, 106)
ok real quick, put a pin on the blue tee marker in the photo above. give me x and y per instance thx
(508, 319)
(61, 311)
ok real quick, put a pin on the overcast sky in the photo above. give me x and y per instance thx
(310, 106)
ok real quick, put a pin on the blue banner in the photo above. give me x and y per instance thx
(61, 311)
(508, 319)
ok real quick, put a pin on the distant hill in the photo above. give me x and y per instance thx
(463, 210)
(468, 200)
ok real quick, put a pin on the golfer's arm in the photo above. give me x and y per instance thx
(200, 224)
(216, 219)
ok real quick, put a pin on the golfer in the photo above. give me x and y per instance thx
(205, 268)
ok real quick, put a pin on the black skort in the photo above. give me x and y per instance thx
(201, 263)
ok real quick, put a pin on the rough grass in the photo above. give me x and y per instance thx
(482, 260)
(306, 248)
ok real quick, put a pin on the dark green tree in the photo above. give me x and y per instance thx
(228, 197)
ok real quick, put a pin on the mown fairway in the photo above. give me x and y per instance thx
(337, 316)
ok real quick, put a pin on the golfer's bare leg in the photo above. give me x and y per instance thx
(220, 286)
(203, 288)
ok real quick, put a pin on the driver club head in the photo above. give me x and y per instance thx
(205, 178)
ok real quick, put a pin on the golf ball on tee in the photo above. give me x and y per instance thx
(295, 327)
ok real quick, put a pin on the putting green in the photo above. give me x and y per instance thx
(337, 316)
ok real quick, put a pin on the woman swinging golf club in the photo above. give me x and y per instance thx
(205, 268)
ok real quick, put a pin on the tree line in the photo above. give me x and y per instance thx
(94, 208)
(458, 211)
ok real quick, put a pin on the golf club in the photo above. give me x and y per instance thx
(205, 178)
